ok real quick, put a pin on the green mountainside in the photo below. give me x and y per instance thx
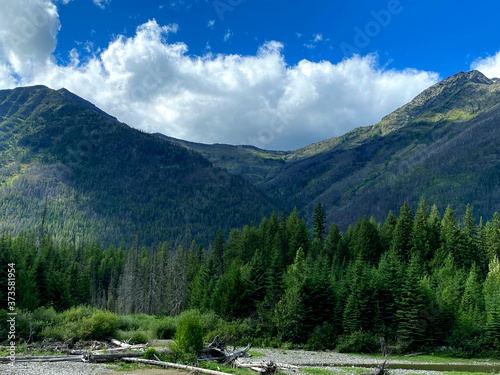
(442, 145)
(86, 175)
(89, 176)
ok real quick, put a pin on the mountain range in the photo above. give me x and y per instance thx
(70, 169)
(443, 145)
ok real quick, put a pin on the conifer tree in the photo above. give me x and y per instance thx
(319, 223)
(390, 276)
(434, 227)
(356, 315)
(218, 253)
(290, 310)
(366, 241)
(493, 237)
(258, 282)
(401, 239)
(420, 232)
(229, 296)
(472, 302)
(387, 230)
(297, 235)
(492, 302)
(332, 241)
(449, 281)
(450, 240)
(471, 251)
(411, 324)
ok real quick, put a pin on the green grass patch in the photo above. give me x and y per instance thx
(256, 354)
(316, 371)
(434, 358)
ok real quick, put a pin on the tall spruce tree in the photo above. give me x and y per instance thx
(402, 240)
(493, 237)
(420, 233)
(492, 302)
(356, 314)
(319, 223)
(412, 326)
(471, 311)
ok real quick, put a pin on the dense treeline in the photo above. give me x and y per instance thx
(419, 280)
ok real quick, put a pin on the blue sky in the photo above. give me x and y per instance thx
(441, 36)
(272, 73)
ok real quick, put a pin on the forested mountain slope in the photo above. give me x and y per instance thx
(443, 145)
(67, 163)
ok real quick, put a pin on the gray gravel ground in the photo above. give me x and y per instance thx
(326, 360)
(52, 368)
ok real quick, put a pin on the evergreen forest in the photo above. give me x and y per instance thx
(419, 280)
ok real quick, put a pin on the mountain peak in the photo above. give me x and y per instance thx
(474, 76)
(77, 99)
(460, 96)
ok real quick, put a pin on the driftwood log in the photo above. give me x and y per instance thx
(267, 367)
(217, 352)
(94, 358)
(93, 353)
(173, 365)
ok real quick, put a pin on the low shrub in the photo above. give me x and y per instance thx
(188, 340)
(358, 342)
(136, 322)
(165, 328)
(322, 338)
(209, 321)
(138, 337)
(101, 325)
(235, 333)
(30, 324)
(83, 323)
(150, 353)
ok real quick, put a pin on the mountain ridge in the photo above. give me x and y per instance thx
(103, 179)
(338, 171)
(108, 180)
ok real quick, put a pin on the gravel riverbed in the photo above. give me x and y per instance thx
(53, 368)
(330, 361)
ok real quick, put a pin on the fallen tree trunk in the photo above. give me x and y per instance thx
(267, 367)
(173, 365)
(94, 358)
(100, 358)
(62, 358)
(282, 366)
(121, 349)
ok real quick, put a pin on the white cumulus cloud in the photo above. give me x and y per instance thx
(489, 66)
(28, 30)
(155, 85)
(102, 3)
